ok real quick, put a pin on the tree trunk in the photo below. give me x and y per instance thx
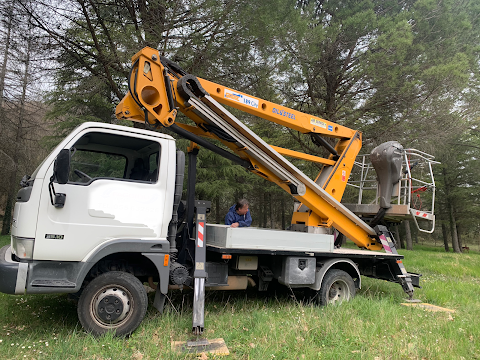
(459, 237)
(3, 71)
(16, 150)
(408, 235)
(398, 238)
(445, 237)
(453, 230)
(6, 222)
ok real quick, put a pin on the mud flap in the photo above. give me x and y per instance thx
(159, 301)
(162, 264)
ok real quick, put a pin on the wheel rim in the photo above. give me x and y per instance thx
(112, 306)
(338, 292)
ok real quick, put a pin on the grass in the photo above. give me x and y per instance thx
(372, 326)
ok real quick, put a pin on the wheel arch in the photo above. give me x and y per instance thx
(346, 265)
(151, 252)
(131, 262)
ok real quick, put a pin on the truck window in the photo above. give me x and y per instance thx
(87, 165)
(111, 156)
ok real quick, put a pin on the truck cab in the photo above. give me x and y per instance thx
(114, 197)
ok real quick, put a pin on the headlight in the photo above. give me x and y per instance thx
(23, 247)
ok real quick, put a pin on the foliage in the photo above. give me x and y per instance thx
(396, 70)
(458, 180)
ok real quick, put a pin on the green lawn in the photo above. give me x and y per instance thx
(372, 326)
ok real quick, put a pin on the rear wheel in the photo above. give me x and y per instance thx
(115, 301)
(337, 286)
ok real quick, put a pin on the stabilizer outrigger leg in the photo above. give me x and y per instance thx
(404, 278)
(199, 274)
(197, 345)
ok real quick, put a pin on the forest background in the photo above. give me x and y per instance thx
(395, 70)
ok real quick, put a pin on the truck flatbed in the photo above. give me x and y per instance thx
(257, 241)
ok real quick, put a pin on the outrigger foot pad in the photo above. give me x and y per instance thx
(198, 342)
(413, 301)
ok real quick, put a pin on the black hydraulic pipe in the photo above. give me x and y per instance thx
(208, 145)
(134, 92)
(168, 88)
(192, 179)
(326, 145)
(378, 217)
(172, 226)
(173, 66)
(188, 86)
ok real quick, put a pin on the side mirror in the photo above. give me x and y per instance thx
(61, 167)
(61, 170)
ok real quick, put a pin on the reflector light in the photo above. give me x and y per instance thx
(226, 256)
(165, 260)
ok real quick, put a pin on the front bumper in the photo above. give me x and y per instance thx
(13, 274)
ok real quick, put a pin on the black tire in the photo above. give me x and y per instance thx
(114, 301)
(337, 286)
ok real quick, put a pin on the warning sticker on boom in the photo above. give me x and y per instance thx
(243, 99)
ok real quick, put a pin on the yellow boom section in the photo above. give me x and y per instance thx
(279, 114)
(157, 91)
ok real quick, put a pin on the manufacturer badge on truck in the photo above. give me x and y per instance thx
(54, 236)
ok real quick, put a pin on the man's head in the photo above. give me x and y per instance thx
(241, 207)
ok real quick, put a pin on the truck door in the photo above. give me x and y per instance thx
(114, 192)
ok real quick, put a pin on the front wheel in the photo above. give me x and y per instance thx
(337, 286)
(115, 301)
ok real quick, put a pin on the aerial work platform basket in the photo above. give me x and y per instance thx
(413, 195)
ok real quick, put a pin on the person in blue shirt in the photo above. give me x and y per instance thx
(239, 215)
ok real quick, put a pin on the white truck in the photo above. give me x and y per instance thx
(99, 216)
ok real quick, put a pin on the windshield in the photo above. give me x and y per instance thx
(39, 166)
